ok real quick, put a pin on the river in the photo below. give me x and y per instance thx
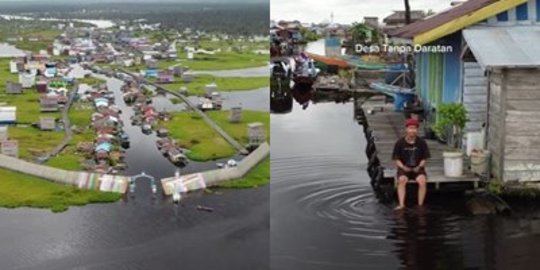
(97, 23)
(324, 214)
(143, 231)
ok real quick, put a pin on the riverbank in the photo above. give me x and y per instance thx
(20, 190)
(224, 84)
(202, 141)
(256, 177)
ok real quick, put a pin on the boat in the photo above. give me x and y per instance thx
(305, 71)
(176, 156)
(146, 128)
(124, 140)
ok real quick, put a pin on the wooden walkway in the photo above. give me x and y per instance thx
(386, 127)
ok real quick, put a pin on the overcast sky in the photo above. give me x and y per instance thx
(345, 11)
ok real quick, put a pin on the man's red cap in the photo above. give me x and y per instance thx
(412, 122)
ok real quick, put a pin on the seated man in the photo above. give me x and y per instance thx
(410, 155)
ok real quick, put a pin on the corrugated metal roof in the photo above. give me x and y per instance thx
(512, 46)
(431, 22)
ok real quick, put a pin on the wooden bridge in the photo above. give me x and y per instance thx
(383, 127)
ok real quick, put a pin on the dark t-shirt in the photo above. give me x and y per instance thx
(411, 154)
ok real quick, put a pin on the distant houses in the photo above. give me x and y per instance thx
(49, 103)
(8, 115)
(13, 88)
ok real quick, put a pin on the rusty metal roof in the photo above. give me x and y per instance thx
(428, 23)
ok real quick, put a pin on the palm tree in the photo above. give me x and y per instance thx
(407, 12)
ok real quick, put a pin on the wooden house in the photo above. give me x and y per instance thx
(8, 115)
(47, 123)
(493, 68)
(13, 88)
(4, 135)
(256, 133)
(41, 86)
(187, 77)
(27, 79)
(49, 103)
(13, 67)
(152, 63)
(165, 77)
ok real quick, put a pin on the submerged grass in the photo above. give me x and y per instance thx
(21, 190)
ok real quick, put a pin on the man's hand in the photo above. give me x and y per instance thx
(406, 169)
(416, 169)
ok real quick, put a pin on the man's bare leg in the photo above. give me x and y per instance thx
(422, 188)
(402, 188)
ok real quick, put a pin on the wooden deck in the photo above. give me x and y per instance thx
(387, 126)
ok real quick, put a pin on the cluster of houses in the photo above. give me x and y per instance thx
(49, 79)
(148, 118)
(109, 134)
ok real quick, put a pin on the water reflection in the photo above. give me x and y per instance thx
(326, 216)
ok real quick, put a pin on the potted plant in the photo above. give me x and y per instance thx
(451, 119)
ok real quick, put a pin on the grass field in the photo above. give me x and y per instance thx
(194, 133)
(205, 143)
(239, 131)
(256, 177)
(69, 159)
(20, 190)
(225, 84)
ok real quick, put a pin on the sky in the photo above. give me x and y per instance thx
(144, 1)
(345, 11)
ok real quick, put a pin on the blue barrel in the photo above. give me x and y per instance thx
(400, 98)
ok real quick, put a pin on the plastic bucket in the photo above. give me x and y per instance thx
(400, 99)
(479, 161)
(453, 164)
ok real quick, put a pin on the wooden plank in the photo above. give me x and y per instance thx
(522, 141)
(524, 94)
(519, 153)
(522, 176)
(524, 105)
(475, 99)
(522, 165)
(475, 81)
(518, 128)
(522, 116)
(477, 89)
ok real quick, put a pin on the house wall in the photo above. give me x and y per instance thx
(495, 122)
(522, 124)
(475, 96)
(524, 13)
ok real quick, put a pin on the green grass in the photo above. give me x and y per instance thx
(91, 80)
(224, 61)
(32, 140)
(194, 133)
(27, 103)
(256, 177)
(239, 131)
(20, 190)
(69, 159)
(206, 144)
(225, 84)
(234, 54)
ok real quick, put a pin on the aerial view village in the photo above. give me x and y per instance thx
(149, 119)
(354, 84)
